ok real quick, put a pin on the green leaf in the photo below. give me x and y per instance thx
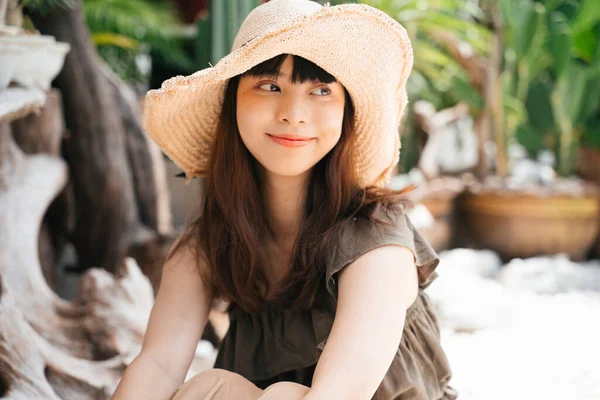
(153, 24)
(528, 21)
(139, 19)
(590, 103)
(113, 39)
(530, 138)
(586, 45)
(463, 91)
(569, 94)
(588, 15)
(591, 135)
(429, 54)
(559, 41)
(539, 109)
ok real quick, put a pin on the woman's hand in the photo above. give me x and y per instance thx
(284, 391)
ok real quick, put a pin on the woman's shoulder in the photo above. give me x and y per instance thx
(363, 234)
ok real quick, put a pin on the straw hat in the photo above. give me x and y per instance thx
(362, 47)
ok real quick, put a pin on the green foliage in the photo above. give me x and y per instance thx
(125, 31)
(552, 67)
(427, 21)
(437, 76)
(43, 7)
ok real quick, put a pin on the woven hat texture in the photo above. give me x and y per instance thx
(362, 47)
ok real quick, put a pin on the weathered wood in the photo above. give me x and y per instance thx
(3, 6)
(105, 206)
(150, 256)
(32, 182)
(39, 333)
(145, 160)
(31, 368)
(150, 184)
(16, 102)
(50, 348)
(42, 133)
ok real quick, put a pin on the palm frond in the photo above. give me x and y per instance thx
(139, 19)
(113, 39)
(135, 26)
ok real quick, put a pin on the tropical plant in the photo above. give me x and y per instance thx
(552, 75)
(125, 31)
(432, 24)
(446, 35)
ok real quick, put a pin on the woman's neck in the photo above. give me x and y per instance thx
(285, 199)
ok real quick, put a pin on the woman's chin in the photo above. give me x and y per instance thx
(287, 172)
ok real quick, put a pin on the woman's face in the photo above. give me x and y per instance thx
(312, 111)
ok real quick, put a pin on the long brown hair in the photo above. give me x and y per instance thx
(230, 230)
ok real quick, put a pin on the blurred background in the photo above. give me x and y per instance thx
(501, 138)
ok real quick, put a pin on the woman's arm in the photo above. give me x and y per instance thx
(373, 295)
(175, 327)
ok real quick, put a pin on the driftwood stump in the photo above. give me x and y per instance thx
(31, 368)
(30, 183)
(42, 132)
(50, 348)
(106, 212)
(42, 339)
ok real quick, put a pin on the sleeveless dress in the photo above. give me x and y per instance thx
(284, 345)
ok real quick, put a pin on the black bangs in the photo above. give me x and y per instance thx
(303, 71)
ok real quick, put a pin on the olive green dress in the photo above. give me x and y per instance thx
(285, 345)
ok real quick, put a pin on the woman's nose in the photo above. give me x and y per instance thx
(292, 110)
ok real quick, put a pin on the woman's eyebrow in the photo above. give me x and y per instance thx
(271, 75)
(276, 75)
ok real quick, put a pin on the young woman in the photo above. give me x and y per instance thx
(296, 134)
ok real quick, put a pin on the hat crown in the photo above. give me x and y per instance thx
(270, 15)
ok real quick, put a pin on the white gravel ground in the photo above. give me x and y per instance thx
(527, 330)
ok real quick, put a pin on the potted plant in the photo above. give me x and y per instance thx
(450, 45)
(545, 97)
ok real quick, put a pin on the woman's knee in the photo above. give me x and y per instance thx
(217, 384)
(285, 390)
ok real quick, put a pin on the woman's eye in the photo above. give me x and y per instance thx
(271, 87)
(323, 91)
(268, 87)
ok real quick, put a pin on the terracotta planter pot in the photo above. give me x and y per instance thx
(589, 165)
(523, 225)
(589, 169)
(439, 196)
(440, 234)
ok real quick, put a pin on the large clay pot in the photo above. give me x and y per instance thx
(519, 225)
(589, 164)
(440, 233)
(438, 196)
(589, 168)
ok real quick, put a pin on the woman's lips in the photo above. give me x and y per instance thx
(290, 143)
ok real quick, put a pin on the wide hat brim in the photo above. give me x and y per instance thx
(362, 47)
